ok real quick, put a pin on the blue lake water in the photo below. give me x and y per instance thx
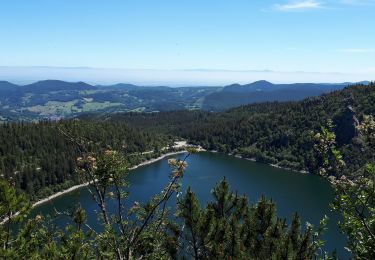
(306, 194)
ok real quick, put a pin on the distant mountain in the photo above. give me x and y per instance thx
(264, 91)
(261, 85)
(5, 85)
(264, 85)
(53, 99)
(56, 85)
(365, 82)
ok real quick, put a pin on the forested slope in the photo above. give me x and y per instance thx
(277, 133)
(41, 157)
(264, 91)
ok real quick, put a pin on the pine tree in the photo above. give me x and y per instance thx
(231, 228)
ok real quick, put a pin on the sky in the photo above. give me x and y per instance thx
(187, 42)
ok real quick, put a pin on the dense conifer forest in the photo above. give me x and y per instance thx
(40, 156)
(275, 133)
(162, 130)
(331, 135)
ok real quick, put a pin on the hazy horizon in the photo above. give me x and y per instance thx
(154, 77)
(193, 42)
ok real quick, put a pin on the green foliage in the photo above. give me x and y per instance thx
(227, 228)
(277, 133)
(231, 228)
(330, 158)
(355, 196)
(53, 99)
(40, 157)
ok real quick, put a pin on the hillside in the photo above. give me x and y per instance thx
(273, 132)
(42, 158)
(54, 99)
(264, 91)
(47, 86)
(6, 86)
(276, 133)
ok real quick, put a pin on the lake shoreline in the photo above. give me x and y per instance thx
(75, 187)
(161, 157)
(78, 186)
(239, 156)
(144, 163)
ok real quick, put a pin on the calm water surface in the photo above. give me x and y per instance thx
(293, 192)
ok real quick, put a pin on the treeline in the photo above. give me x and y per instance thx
(40, 158)
(228, 227)
(277, 133)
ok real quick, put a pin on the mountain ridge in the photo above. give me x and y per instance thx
(55, 99)
(265, 91)
(258, 83)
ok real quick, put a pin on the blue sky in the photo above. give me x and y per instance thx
(187, 41)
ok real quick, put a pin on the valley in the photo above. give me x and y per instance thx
(291, 191)
(192, 130)
(43, 158)
(54, 99)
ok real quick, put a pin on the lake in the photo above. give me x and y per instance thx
(306, 194)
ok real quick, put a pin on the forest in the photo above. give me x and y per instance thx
(272, 132)
(332, 135)
(55, 99)
(162, 130)
(40, 156)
